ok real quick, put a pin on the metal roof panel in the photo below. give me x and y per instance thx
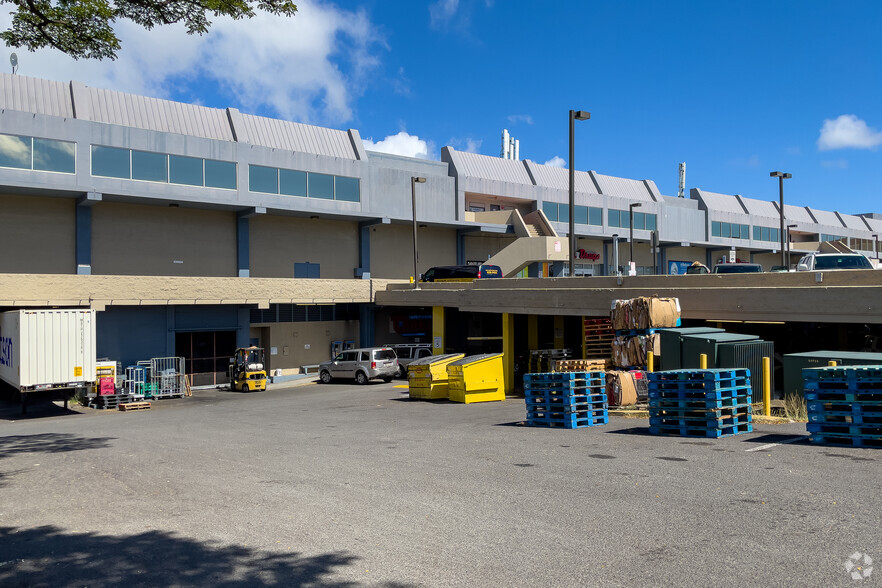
(36, 95)
(624, 188)
(825, 217)
(558, 178)
(292, 136)
(764, 208)
(720, 202)
(474, 165)
(797, 213)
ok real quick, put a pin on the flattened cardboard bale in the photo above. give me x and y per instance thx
(621, 388)
(631, 351)
(645, 312)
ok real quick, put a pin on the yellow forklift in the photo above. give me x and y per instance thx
(247, 371)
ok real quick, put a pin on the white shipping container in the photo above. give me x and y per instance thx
(47, 349)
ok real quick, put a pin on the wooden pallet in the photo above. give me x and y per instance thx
(126, 406)
(583, 365)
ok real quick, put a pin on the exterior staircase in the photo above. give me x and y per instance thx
(537, 242)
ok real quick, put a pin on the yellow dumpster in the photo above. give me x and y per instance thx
(427, 377)
(476, 378)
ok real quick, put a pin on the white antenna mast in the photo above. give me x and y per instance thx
(681, 193)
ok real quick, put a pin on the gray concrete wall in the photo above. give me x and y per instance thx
(291, 340)
(392, 249)
(37, 235)
(481, 248)
(278, 242)
(133, 239)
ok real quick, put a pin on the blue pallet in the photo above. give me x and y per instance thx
(700, 403)
(842, 396)
(634, 332)
(711, 374)
(873, 431)
(709, 424)
(843, 373)
(870, 419)
(874, 409)
(700, 411)
(700, 385)
(594, 412)
(699, 432)
(587, 378)
(573, 423)
(845, 441)
(719, 394)
(565, 402)
(562, 388)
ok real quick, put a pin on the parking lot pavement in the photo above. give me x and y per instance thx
(344, 485)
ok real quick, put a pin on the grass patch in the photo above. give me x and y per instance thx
(795, 408)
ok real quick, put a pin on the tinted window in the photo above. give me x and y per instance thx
(56, 156)
(716, 229)
(580, 215)
(110, 162)
(550, 210)
(292, 183)
(321, 186)
(563, 213)
(381, 354)
(263, 179)
(185, 170)
(650, 222)
(348, 356)
(842, 262)
(364, 356)
(152, 167)
(595, 216)
(737, 269)
(346, 189)
(613, 218)
(220, 174)
(15, 151)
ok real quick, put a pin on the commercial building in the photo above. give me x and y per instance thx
(193, 230)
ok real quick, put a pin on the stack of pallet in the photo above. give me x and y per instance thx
(109, 401)
(700, 403)
(568, 400)
(582, 365)
(545, 360)
(597, 338)
(844, 405)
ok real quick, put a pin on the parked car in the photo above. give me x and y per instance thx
(460, 273)
(363, 365)
(738, 268)
(833, 261)
(779, 268)
(408, 352)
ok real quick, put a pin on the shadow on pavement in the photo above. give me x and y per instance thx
(776, 438)
(50, 443)
(40, 405)
(48, 556)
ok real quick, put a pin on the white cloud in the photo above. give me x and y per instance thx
(520, 118)
(442, 11)
(556, 161)
(400, 144)
(848, 132)
(750, 161)
(468, 144)
(305, 68)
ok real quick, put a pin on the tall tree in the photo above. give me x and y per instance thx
(84, 28)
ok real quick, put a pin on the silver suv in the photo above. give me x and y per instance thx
(363, 365)
(408, 352)
(832, 261)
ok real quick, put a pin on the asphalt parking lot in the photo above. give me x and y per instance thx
(341, 485)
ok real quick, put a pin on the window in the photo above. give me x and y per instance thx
(152, 167)
(563, 213)
(642, 220)
(613, 218)
(185, 170)
(580, 215)
(220, 174)
(36, 154)
(716, 229)
(307, 270)
(346, 189)
(651, 222)
(263, 179)
(15, 151)
(292, 183)
(321, 186)
(595, 216)
(731, 230)
(111, 162)
(54, 156)
(550, 210)
(639, 220)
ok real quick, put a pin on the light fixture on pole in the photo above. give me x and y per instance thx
(413, 182)
(631, 208)
(781, 177)
(789, 246)
(574, 116)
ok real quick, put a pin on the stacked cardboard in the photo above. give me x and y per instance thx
(645, 312)
(621, 388)
(631, 351)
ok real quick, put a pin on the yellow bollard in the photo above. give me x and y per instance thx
(650, 361)
(832, 363)
(767, 386)
(702, 361)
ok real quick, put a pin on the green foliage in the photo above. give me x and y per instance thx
(84, 28)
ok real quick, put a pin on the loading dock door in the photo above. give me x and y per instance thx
(207, 355)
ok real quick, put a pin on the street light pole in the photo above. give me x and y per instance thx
(631, 208)
(789, 246)
(616, 252)
(574, 116)
(781, 177)
(413, 182)
(876, 247)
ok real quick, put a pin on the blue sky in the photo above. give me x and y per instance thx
(734, 89)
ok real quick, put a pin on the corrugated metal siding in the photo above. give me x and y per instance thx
(720, 202)
(875, 225)
(797, 213)
(153, 114)
(292, 136)
(559, 178)
(473, 165)
(853, 222)
(826, 217)
(624, 188)
(35, 95)
(761, 207)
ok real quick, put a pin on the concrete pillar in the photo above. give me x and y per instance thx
(438, 330)
(366, 322)
(508, 351)
(83, 244)
(558, 332)
(243, 239)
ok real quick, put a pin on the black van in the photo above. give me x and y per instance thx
(460, 273)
